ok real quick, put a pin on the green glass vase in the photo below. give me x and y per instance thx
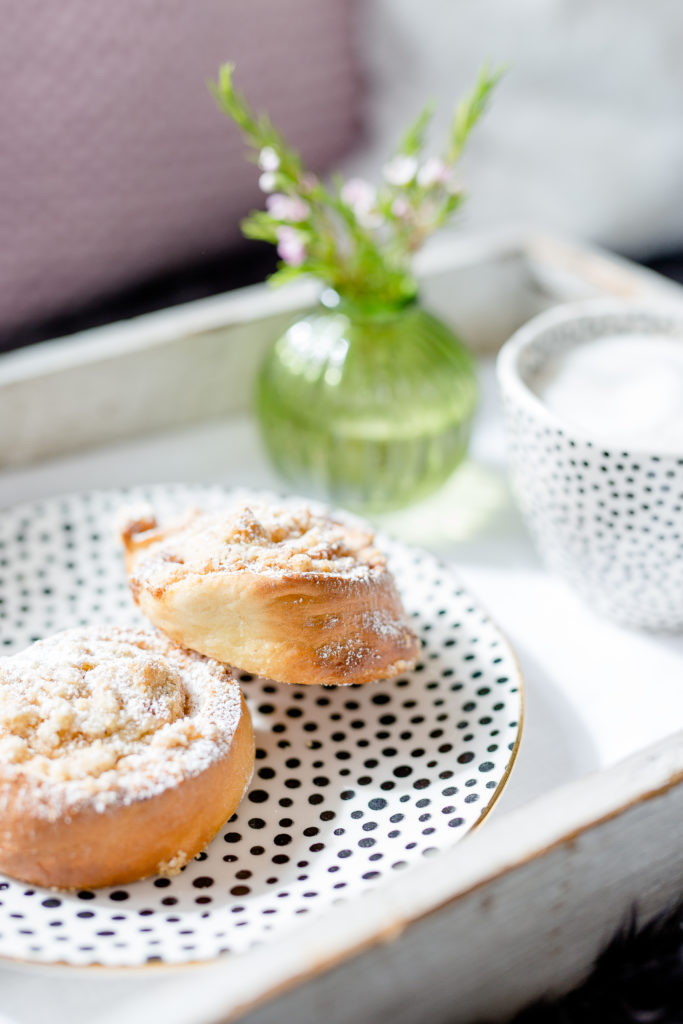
(367, 406)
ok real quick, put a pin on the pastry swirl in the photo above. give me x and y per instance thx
(279, 591)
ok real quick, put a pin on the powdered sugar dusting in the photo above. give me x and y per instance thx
(110, 716)
(354, 648)
(261, 538)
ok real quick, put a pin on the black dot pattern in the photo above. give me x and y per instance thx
(351, 784)
(609, 520)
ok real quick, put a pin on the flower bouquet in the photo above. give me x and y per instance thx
(368, 400)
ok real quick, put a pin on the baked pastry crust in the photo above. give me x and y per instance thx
(275, 590)
(120, 756)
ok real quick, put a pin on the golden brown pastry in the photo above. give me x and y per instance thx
(120, 757)
(275, 590)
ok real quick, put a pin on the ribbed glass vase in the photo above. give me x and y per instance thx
(367, 406)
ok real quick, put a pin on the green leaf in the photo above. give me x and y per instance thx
(470, 109)
(285, 273)
(258, 130)
(412, 142)
(454, 201)
(260, 226)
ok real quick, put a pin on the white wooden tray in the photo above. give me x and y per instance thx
(591, 821)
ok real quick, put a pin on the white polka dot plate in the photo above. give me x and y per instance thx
(351, 785)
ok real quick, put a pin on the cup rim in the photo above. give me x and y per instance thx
(665, 312)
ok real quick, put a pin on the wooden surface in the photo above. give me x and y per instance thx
(520, 906)
(594, 693)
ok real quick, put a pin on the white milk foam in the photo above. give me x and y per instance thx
(622, 390)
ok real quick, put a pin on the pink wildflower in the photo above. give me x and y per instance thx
(433, 172)
(361, 197)
(290, 246)
(358, 194)
(268, 160)
(400, 170)
(400, 207)
(290, 208)
(267, 181)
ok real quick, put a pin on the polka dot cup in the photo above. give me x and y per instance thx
(608, 519)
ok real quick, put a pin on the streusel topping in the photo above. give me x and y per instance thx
(111, 716)
(266, 539)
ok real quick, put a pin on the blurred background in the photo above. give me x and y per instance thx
(122, 185)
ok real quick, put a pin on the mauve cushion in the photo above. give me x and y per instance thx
(115, 162)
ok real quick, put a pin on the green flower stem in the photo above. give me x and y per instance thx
(358, 259)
